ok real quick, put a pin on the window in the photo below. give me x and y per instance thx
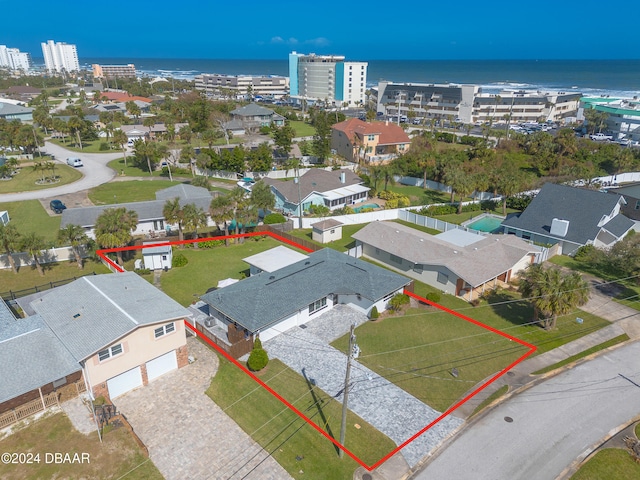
(317, 305)
(164, 330)
(637, 204)
(158, 224)
(164, 257)
(110, 352)
(442, 278)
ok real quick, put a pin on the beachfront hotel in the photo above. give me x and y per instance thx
(242, 86)
(114, 71)
(469, 104)
(60, 57)
(14, 59)
(327, 78)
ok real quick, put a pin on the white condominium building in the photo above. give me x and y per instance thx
(60, 57)
(14, 59)
(327, 78)
(242, 85)
(114, 71)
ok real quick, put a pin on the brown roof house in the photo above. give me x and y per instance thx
(376, 142)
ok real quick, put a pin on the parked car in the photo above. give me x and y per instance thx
(57, 206)
(74, 162)
(601, 137)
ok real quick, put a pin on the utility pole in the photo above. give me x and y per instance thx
(345, 395)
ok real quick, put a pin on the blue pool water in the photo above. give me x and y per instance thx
(367, 205)
(486, 224)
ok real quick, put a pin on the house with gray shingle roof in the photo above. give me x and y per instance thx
(255, 116)
(461, 263)
(571, 217)
(269, 303)
(111, 332)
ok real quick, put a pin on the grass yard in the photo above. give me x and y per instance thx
(610, 463)
(302, 129)
(30, 216)
(418, 350)
(285, 435)
(130, 191)
(417, 195)
(341, 245)
(430, 231)
(130, 170)
(25, 180)
(491, 398)
(117, 457)
(207, 266)
(92, 146)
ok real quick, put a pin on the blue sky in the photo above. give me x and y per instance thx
(462, 29)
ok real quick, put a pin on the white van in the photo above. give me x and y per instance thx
(74, 162)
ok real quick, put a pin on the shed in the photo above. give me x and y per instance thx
(157, 257)
(326, 231)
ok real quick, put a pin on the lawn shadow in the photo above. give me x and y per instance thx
(517, 312)
(317, 402)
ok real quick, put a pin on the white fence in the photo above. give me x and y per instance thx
(440, 187)
(23, 259)
(277, 174)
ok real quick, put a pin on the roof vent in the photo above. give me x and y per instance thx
(422, 239)
(307, 262)
(77, 315)
(272, 277)
(455, 251)
(559, 228)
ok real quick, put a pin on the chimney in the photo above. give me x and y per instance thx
(343, 177)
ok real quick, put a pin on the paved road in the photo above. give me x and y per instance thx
(95, 172)
(553, 423)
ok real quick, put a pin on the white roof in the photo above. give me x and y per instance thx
(459, 237)
(275, 258)
(344, 192)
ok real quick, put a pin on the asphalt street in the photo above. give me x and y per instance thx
(538, 433)
(95, 172)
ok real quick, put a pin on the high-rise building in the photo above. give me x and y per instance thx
(114, 71)
(242, 85)
(14, 59)
(60, 57)
(327, 78)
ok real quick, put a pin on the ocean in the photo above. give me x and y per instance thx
(617, 78)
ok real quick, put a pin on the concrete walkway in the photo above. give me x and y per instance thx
(78, 411)
(379, 402)
(187, 434)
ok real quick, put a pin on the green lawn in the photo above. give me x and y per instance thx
(285, 435)
(30, 216)
(130, 170)
(610, 463)
(417, 195)
(25, 180)
(87, 147)
(341, 245)
(129, 191)
(491, 398)
(419, 349)
(302, 129)
(430, 231)
(207, 266)
(117, 457)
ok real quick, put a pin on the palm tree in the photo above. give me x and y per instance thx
(120, 138)
(75, 125)
(113, 228)
(193, 218)
(221, 211)
(34, 244)
(75, 236)
(10, 240)
(174, 213)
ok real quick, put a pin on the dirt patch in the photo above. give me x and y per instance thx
(71, 200)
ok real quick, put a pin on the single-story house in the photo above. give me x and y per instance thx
(461, 263)
(151, 221)
(111, 332)
(273, 259)
(326, 231)
(158, 257)
(372, 142)
(334, 189)
(269, 303)
(9, 111)
(571, 217)
(255, 116)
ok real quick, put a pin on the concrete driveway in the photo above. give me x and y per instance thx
(187, 434)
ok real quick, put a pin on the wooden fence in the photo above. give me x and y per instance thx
(28, 409)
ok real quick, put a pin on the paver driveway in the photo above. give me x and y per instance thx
(187, 434)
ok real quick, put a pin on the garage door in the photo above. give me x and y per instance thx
(124, 382)
(161, 365)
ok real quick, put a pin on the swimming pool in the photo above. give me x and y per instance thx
(365, 206)
(488, 224)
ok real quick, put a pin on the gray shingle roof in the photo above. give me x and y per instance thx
(315, 180)
(476, 263)
(618, 225)
(93, 312)
(251, 110)
(583, 209)
(32, 358)
(263, 300)
(326, 224)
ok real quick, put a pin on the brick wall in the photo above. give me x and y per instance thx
(182, 354)
(35, 394)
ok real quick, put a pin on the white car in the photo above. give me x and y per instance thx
(74, 162)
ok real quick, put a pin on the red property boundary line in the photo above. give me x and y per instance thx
(103, 254)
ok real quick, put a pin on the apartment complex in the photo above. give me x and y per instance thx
(242, 85)
(14, 59)
(623, 119)
(114, 71)
(469, 104)
(60, 57)
(327, 78)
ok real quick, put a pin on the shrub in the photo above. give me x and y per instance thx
(274, 218)
(143, 271)
(104, 146)
(391, 203)
(519, 202)
(446, 137)
(433, 297)
(436, 210)
(374, 313)
(258, 359)
(201, 181)
(179, 260)
(489, 204)
(257, 343)
(398, 300)
(211, 244)
(469, 140)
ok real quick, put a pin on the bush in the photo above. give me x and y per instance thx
(264, 130)
(143, 271)
(211, 244)
(435, 210)
(433, 297)
(446, 137)
(179, 260)
(257, 343)
(258, 359)
(469, 140)
(398, 300)
(489, 204)
(104, 146)
(520, 202)
(274, 218)
(201, 181)
(373, 314)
